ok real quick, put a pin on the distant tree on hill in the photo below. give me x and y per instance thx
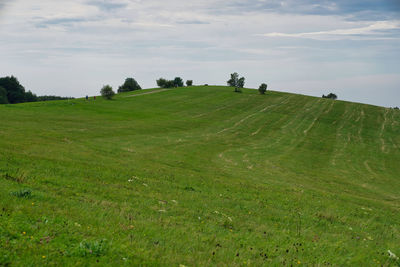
(3, 96)
(330, 96)
(11, 91)
(178, 82)
(130, 84)
(52, 97)
(170, 84)
(189, 82)
(15, 91)
(164, 83)
(30, 97)
(263, 88)
(107, 92)
(236, 82)
(396, 108)
(161, 82)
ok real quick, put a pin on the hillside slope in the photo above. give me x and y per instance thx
(199, 176)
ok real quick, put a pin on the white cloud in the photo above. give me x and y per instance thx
(374, 29)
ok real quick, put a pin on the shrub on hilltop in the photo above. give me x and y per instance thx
(107, 92)
(130, 84)
(330, 96)
(263, 88)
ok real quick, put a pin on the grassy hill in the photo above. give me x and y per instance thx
(199, 176)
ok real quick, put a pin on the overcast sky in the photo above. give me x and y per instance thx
(72, 48)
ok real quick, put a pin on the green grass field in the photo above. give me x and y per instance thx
(199, 176)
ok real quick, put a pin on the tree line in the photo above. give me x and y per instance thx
(12, 92)
(131, 84)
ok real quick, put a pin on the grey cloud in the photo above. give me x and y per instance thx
(199, 22)
(356, 9)
(44, 23)
(107, 5)
(3, 4)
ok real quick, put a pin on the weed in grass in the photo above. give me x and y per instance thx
(23, 193)
(92, 248)
(15, 177)
(228, 225)
(189, 188)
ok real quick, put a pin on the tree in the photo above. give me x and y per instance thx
(15, 91)
(161, 82)
(263, 88)
(3, 96)
(241, 82)
(130, 84)
(330, 96)
(30, 97)
(178, 82)
(236, 82)
(107, 92)
(189, 82)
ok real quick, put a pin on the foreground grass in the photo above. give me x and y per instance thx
(199, 176)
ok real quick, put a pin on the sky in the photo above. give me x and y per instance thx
(312, 47)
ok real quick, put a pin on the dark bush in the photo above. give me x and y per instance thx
(23, 193)
(263, 88)
(330, 96)
(107, 92)
(130, 84)
(189, 82)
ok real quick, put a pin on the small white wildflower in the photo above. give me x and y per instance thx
(199, 218)
(130, 180)
(162, 210)
(176, 202)
(392, 255)
(146, 185)
(216, 212)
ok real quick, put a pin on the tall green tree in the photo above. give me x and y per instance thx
(236, 82)
(3, 96)
(178, 82)
(15, 91)
(130, 84)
